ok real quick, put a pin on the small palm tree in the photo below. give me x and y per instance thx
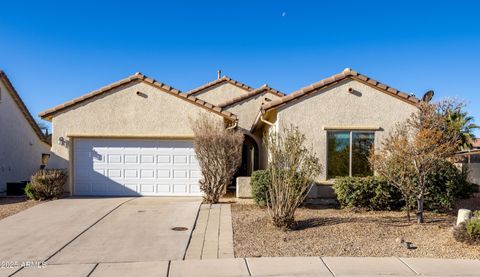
(460, 120)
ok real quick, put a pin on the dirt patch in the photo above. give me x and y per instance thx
(13, 205)
(324, 231)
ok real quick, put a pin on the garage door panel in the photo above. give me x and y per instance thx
(163, 174)
(131, 174)
(164, 188)
(194, 188)
(147, 188)
(135, 167)
(147, 158)
(180, 188)
(163, 159)
(130, 159)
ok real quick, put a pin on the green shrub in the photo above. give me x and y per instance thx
(49, 183)
(29, 191)
(445, 186)
(367, 192)
(259, 182)
(473, 228)
(468, 231)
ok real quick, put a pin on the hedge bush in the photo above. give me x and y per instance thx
(371, 193)
(444, 187)
(48, 183)
(259, 182)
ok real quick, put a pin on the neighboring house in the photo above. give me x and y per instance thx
(133, 137)
(22, 142)
(472, 160)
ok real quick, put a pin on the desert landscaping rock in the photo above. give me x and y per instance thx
(326, 231)
(13, 205)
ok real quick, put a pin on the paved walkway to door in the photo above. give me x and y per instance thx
(212, 237)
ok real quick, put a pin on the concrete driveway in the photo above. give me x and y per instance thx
(98, 230)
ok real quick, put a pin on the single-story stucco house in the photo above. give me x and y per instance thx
(471, 159)
(23, 148)
(134, 137)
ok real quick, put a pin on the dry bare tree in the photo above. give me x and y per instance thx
(293, 168)
(414, 150)
(389, 162)
(219, 153)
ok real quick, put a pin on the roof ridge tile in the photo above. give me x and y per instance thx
(137, 76)
(346, 73)
(218, 81)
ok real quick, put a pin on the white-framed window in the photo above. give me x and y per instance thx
(348, 152)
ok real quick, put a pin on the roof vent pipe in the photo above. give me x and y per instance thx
(219, 73)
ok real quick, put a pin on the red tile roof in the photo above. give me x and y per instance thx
(217, 82)
(345, 74)
(138, 77)
(21, 105)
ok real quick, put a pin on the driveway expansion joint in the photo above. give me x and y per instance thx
(407, 265)
(77, 236)
(93, 269)
(329, 269)
(88, 228)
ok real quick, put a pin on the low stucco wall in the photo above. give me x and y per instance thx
(336, 106)
(122, 113)
(20, 148)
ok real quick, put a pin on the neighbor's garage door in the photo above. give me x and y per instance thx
(135, 167)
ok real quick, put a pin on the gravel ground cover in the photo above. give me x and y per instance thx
(13, 205)
(326, 231)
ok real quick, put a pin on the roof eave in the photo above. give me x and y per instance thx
(23, 108)
(50, 113)
(217, 82)
(335, 79)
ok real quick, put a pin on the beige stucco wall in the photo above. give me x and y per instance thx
(247, 110)
(335, 106)
(20, 148)
(123, 113)
(474, 173)
(221, 93)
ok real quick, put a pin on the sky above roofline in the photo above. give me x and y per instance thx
(56, 51)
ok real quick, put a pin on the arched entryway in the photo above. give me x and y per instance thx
(250, 159)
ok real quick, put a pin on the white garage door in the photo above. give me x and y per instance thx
(135, 167)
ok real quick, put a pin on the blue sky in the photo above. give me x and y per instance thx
(55, 51)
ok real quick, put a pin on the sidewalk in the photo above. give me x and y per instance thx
(279, 266)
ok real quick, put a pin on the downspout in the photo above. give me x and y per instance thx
(266, 121)
(233, 126)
